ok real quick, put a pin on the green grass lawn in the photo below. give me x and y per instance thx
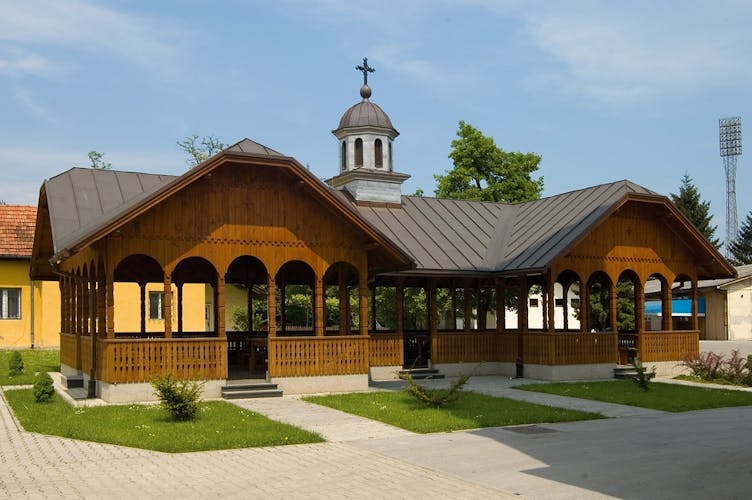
(220, 425)
(471, 411)
(666, 397)
(35, 360)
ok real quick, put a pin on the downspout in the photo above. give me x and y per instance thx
(31, 305)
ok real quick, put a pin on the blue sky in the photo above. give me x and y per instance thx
(603, 90)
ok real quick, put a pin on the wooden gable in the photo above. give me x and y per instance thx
(647, 237)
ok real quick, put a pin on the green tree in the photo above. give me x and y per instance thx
(96, 160)
(698, 212)
(200, 149)
(741, 248)
(483, 171)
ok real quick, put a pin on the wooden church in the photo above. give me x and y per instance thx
(321, 286)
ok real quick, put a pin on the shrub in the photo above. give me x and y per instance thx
(435, 398)
(43, 388)
(705, 366)
(713, 367)
(15, 364)
(181, 398)
(643, 377)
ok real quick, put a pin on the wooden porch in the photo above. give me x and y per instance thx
(138, 360)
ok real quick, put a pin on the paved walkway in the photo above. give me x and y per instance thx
(665, 455)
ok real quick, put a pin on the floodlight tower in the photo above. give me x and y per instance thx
(731, 148)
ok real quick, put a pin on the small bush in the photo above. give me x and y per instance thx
(435, 398)
(643, 377)
(15, 364)
(181, 398)
(43, 388)
(714, 368)
(704, 366)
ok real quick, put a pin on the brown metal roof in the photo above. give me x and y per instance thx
(82, 199)
(461, 235)
(17, 230)
(365, 114)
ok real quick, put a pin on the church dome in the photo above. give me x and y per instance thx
(365, 114)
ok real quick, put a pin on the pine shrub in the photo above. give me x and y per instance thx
(435, 398)
(181, 398)
(15, 364)
(43, 388)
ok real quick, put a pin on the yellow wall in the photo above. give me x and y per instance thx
(128, 308)
(17, 332)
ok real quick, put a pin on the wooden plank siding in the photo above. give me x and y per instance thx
(317, 356)
(669, 346)
(68, 350)
(139, 360)
(385, 350)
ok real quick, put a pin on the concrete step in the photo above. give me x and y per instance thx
(251, 390)
(625, 371)
(73, 381)
(421, 373)
(77, 393)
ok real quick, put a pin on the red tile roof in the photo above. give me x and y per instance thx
(17, 230)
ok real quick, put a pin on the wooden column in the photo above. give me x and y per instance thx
(373, 307)
(454, 307)
(282, 301)
(363, 304)
(585, 308)
(142, 295)
(101, 304)
(318, 315)
(468, 308)
(565, 305)
(110, 292)
(501, 298)
(695, 309)
(431, 306)
(86, 306)
(79, 305)
(399, 295)
(522, 312)
(344, 302)
(551, 300)
(271, 307)
(92, 386)
(167, 306)
(614, 320)
(249, 305)
(180, 307)
(666, 307)
(639, 292)
(61, 286)
(220, 316)
(482, 301)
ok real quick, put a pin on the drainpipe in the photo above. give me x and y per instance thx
(31, 306)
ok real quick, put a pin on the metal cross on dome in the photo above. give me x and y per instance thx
(365, 68)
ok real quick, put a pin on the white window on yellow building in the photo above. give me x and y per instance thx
(156, 299)
(10, 303)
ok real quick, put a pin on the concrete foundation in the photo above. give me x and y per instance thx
(569, 372)
(666, 368)
(485, 368)
(314, 385)
(144, 392)
(384, 372)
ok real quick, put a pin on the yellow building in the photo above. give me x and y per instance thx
(33, 320)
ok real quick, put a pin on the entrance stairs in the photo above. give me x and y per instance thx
(421, 373)
(250, 389)
(625, 371)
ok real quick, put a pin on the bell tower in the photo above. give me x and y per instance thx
(365, 135)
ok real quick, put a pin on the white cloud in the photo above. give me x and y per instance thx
(14, 61)
(429, 73)
(621, 52)
(84, 26)
(25, 97)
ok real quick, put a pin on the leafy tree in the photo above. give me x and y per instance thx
(97, 161)
(483, 171)
(200, 149)
(698, 212)
(741, 248)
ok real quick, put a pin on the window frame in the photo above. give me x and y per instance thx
(5, 313)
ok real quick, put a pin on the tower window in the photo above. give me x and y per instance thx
(390, 156)
(358, 152)
(379, 153)
(343, 161)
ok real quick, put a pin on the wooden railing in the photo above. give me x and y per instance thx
(669, 346)
(311, 356)
(68, 350)
(385, 350)
(124, 361)
(469, 347)
(86, 354)
(570, 348)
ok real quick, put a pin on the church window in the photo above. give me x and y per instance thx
(390, 156)
(343, 160)
(358, 152)
(379, 153)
